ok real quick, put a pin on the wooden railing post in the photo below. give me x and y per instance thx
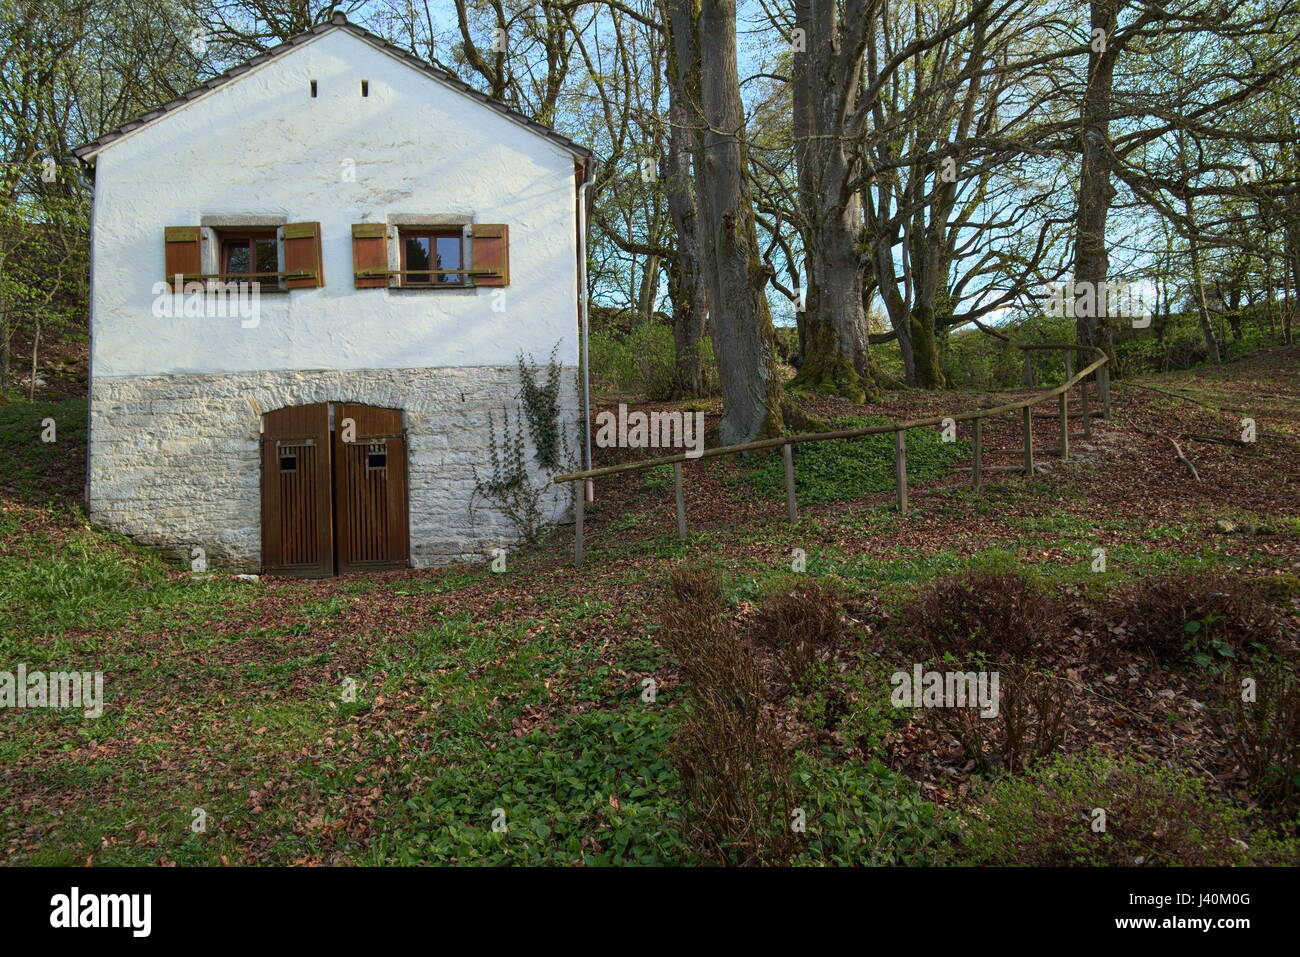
(791, 503)
(1065, 425)
(681, 500)
(977, 455)
(579, 502)
(1103, 390)
(1083, 408)
(1027, 417)
(900, 468)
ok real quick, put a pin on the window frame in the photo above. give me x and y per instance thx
(433, 234)
(227, 235)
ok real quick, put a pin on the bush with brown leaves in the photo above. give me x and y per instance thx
(1255, 708)
(998, 616)
(997, 622)
(796, 626)
(1204, 617)
(733, 765)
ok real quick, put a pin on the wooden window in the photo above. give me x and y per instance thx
(250, 253)
(244, 254)
(441, 251)
(431, 257)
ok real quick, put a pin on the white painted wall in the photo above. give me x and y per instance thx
(261, 145)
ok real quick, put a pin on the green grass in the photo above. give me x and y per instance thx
(90, 580)
(33, 470)
(551, 797)
(228, 696)
(846, 469)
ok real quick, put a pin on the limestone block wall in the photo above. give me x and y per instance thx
(175, 459)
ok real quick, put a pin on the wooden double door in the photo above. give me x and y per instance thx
(334, 494)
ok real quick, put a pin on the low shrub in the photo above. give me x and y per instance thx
(1153, 816)
(1201, 617)
(862, 814)
(985, 616)
(643, 361)
(997, 622)
(1255, 708)
(732, 763)
(1280, 589)
(972, 359)
(796, 626)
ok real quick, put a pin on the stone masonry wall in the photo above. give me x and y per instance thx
(175, 459)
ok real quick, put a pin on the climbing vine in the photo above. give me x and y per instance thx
(541, 404)
(508, 486)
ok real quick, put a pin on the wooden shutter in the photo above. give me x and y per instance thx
(491, 252)
(369, 252)
(184, 253)
(302, 254)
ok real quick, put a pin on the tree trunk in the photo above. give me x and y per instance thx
(895, 305)
(1202, 307)
(925, 347)
(36, 345)
(1234, 311)
(1288, 318)
(835, 356)
(743, 338)
(649, 288)
(1293, 260)
(686, 283)
(1091, 263)
(930, 282)
(5, 335)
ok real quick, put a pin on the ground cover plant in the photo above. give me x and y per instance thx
(550, 715)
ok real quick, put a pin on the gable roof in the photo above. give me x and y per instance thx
(337, 22)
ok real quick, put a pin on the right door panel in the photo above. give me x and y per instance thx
(371, 531)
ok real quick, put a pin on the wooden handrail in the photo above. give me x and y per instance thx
(842, 434)
(899, 429)
(1053, 346)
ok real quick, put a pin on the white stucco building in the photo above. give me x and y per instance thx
(411, 238)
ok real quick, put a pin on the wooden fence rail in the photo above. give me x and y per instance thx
(978, 468)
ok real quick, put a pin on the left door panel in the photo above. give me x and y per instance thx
(297, 486)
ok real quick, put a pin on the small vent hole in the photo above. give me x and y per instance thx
(313, 88)
(365, 87)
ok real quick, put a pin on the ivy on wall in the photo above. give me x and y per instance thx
(537, 420)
